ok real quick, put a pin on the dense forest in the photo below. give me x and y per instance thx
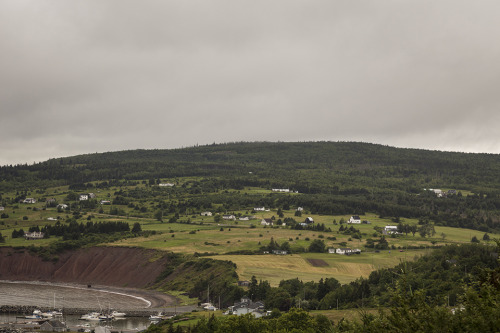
(337, 178)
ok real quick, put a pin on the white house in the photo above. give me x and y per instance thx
(355, 219)
(62, 206)
(299, 209)
(331, 250)
(247, 306)
(33, 235)
(259, 209)
(29, 201)
(266, 222)
(105, 202)
(244, 218)
(92, 195)
(2, 208)
(390, 229)
(309, 220)
(206, 213)
(343, 250)
(280, 252)
(285, 190)
(166, 184)
(84, 197)
(229, 217)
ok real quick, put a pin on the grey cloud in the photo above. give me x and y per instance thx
(92, 76)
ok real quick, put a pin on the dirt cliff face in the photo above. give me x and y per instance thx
(111, 266)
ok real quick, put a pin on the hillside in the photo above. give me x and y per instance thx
(332, 177)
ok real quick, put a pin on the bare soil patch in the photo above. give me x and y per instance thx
(318, 262)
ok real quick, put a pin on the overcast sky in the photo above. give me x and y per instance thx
(94, 76)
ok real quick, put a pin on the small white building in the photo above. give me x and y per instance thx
(259, 209)
(355, 219)
(390, 229)
(105, 202)
(166, 184)
(284, 190)
(33, 235)
(247, 306)
(309, 220)
(266, 222)
(29, 201)
(84, 197)
(62, 206)
(331, 250)
(300, 209)
(206, 213)
(244, 218)
(2, 208)
(229, 217)
(92, 196)
(343, 250)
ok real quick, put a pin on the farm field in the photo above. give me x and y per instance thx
(275, 268)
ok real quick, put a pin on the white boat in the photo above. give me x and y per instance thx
(157, 317)
(106, 317)
(37, 314)
(118, 314)
(92, 316)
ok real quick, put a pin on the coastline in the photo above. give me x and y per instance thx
(145, 300)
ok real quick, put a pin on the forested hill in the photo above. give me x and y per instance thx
(307, 167)
(335, 177)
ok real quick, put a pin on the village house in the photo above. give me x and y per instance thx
(229, 217)
(206, 213)
(105, 202)
(331, 250)
(355, 219)
(390, 229)
(280, 252)
(166, 184)
(343, 250)
(285, 190)
(261, 209)
(244, 218)
(300, 209)
(244, 283)
(309, 220)
(92, 196)
(84, 197)
(53, 326)
(247, 306)
(29, 201)
(62, 206)
(33, 235)
(2, 208)
(266, 222)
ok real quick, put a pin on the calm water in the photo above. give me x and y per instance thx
(60, 296)
(129, 323)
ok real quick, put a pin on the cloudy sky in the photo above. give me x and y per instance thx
(94, 76)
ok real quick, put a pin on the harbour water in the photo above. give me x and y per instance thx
(28, 295)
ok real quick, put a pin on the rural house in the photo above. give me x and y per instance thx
(261, 209)
(29, 201)
(390, 229)
(33, 235)
(355, 219)
(84, 197)
(343, 250)
(206, 213)
(309, 220)
(53, 326)
(247, 306)
(229, 217)
(266, 222)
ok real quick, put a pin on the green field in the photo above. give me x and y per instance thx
(200, 234)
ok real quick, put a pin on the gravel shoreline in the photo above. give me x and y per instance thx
(152, 301)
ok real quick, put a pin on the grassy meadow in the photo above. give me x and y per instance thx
(201, 234)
